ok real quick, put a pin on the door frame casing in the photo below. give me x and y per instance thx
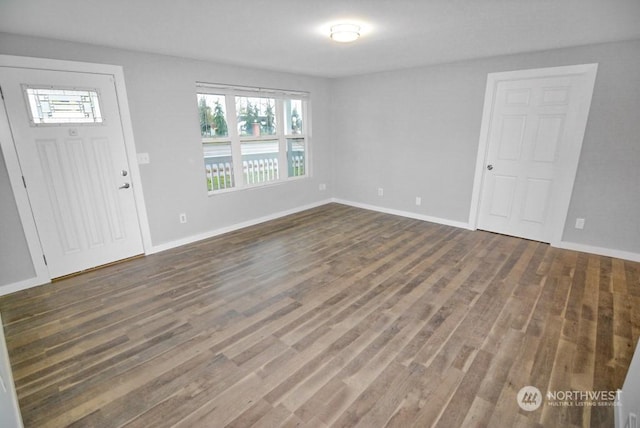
(566, 181)
(7, 146)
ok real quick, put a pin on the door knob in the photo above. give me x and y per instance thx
(125, 186)
(489, 167)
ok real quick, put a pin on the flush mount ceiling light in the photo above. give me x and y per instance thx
(345, 33)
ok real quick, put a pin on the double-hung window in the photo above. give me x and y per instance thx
(252, 137)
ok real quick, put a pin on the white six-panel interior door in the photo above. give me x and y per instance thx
(77, 175)
(533, 127)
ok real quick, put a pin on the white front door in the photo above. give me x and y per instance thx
(534, 138)
(68, 136)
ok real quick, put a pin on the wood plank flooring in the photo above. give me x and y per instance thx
(336, 317)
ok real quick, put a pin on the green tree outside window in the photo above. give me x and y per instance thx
(218, 120)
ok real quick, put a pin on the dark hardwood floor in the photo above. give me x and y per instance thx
(335, 316)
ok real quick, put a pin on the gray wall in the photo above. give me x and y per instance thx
(161, 92)
(415, 133)
(15, 261)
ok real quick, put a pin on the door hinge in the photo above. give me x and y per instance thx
(24, 182)
(45, 259)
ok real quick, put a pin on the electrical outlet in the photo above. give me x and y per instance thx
(183, 217)
(579, 223)
(143, 158)
(322, 187)
(380, 191)
(418, 200)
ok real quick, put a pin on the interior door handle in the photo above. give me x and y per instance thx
(489, 167)
(125, 186)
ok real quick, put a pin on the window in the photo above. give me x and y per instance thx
(295, 138)
(251, 137)
(216, 143)
(54, 106)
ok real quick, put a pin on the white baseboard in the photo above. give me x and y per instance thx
(34, 282)
(22, 285)
(407, 214)
(626, 255)
(237, 226)
(233, 227)
(601, 251)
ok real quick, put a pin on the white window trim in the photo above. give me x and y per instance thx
(236, 140)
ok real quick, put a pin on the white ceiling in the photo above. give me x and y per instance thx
(290, 35)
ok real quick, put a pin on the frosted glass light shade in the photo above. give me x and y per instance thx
(345, 33)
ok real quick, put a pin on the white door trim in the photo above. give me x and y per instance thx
(566, 184)
(13, 165)
(14, 419)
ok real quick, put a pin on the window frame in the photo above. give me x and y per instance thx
(281, 136)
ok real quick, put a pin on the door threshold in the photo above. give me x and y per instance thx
(117, 262)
